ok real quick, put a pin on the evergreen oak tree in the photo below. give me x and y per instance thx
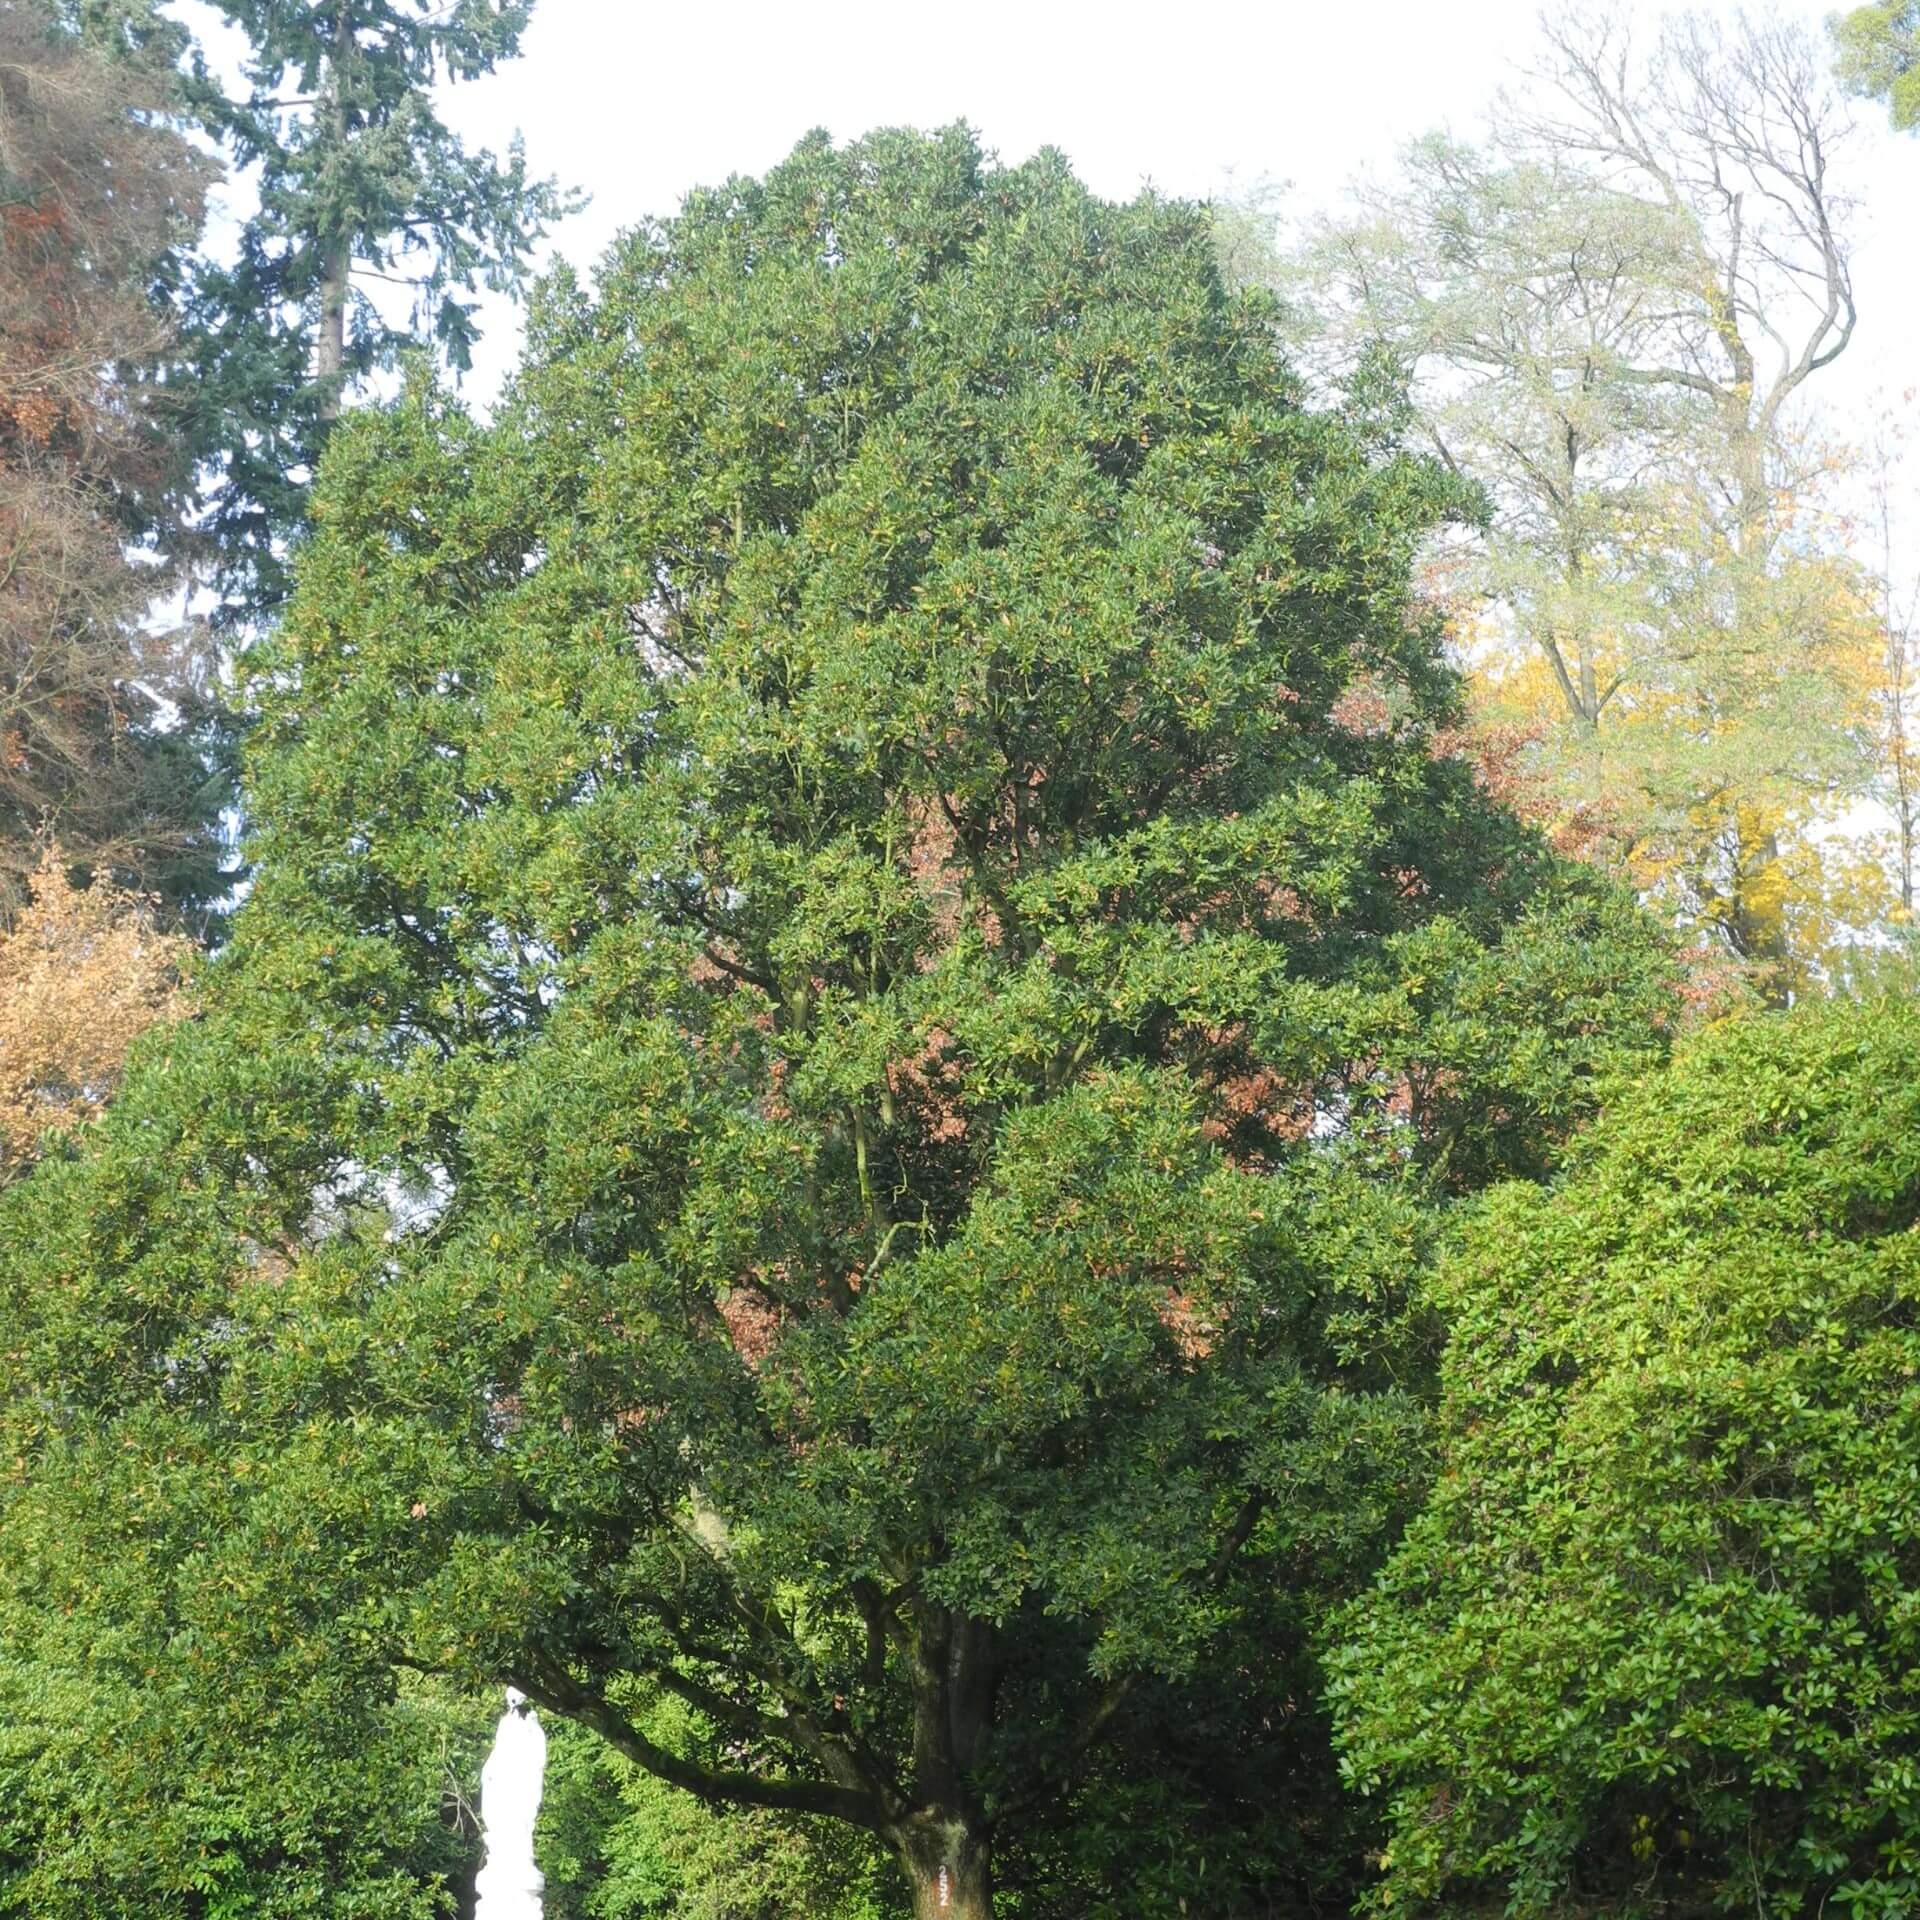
(870, 943)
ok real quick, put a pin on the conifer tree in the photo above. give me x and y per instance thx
(360, 185)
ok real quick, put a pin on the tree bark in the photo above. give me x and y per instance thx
(1762, 936)
(945, 1844)
(336, 241)
(948, 1861)
(330, 342)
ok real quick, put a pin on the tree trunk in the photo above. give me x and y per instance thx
(948, 1863)
(336, 262)
(945, 1844)
(1763, 935)
(330, 342)
(1907, 823)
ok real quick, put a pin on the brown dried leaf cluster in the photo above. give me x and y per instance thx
(83, 974)
(754, 1323)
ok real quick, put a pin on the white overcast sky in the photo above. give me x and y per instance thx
(638, 100)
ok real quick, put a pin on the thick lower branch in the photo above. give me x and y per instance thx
(549, 1685)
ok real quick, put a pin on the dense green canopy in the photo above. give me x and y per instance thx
(1878, 49)
(871, 941)
(1651, 1645)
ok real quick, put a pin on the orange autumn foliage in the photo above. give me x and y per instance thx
(83, 974)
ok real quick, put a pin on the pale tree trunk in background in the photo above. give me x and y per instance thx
(1897, 627)
(1906, 788)
(336, 271)
(1759, 935)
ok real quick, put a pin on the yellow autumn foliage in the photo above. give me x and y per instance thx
(84, 972)
(1727, 775)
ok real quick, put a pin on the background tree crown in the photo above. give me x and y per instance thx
(1667, 1566)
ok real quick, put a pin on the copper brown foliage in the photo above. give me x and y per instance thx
(95, 189)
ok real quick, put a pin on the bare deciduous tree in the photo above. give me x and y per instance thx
(1731, 132)
(1612, 310)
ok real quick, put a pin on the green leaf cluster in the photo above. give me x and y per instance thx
(1877, 54)
(1650, 1645)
